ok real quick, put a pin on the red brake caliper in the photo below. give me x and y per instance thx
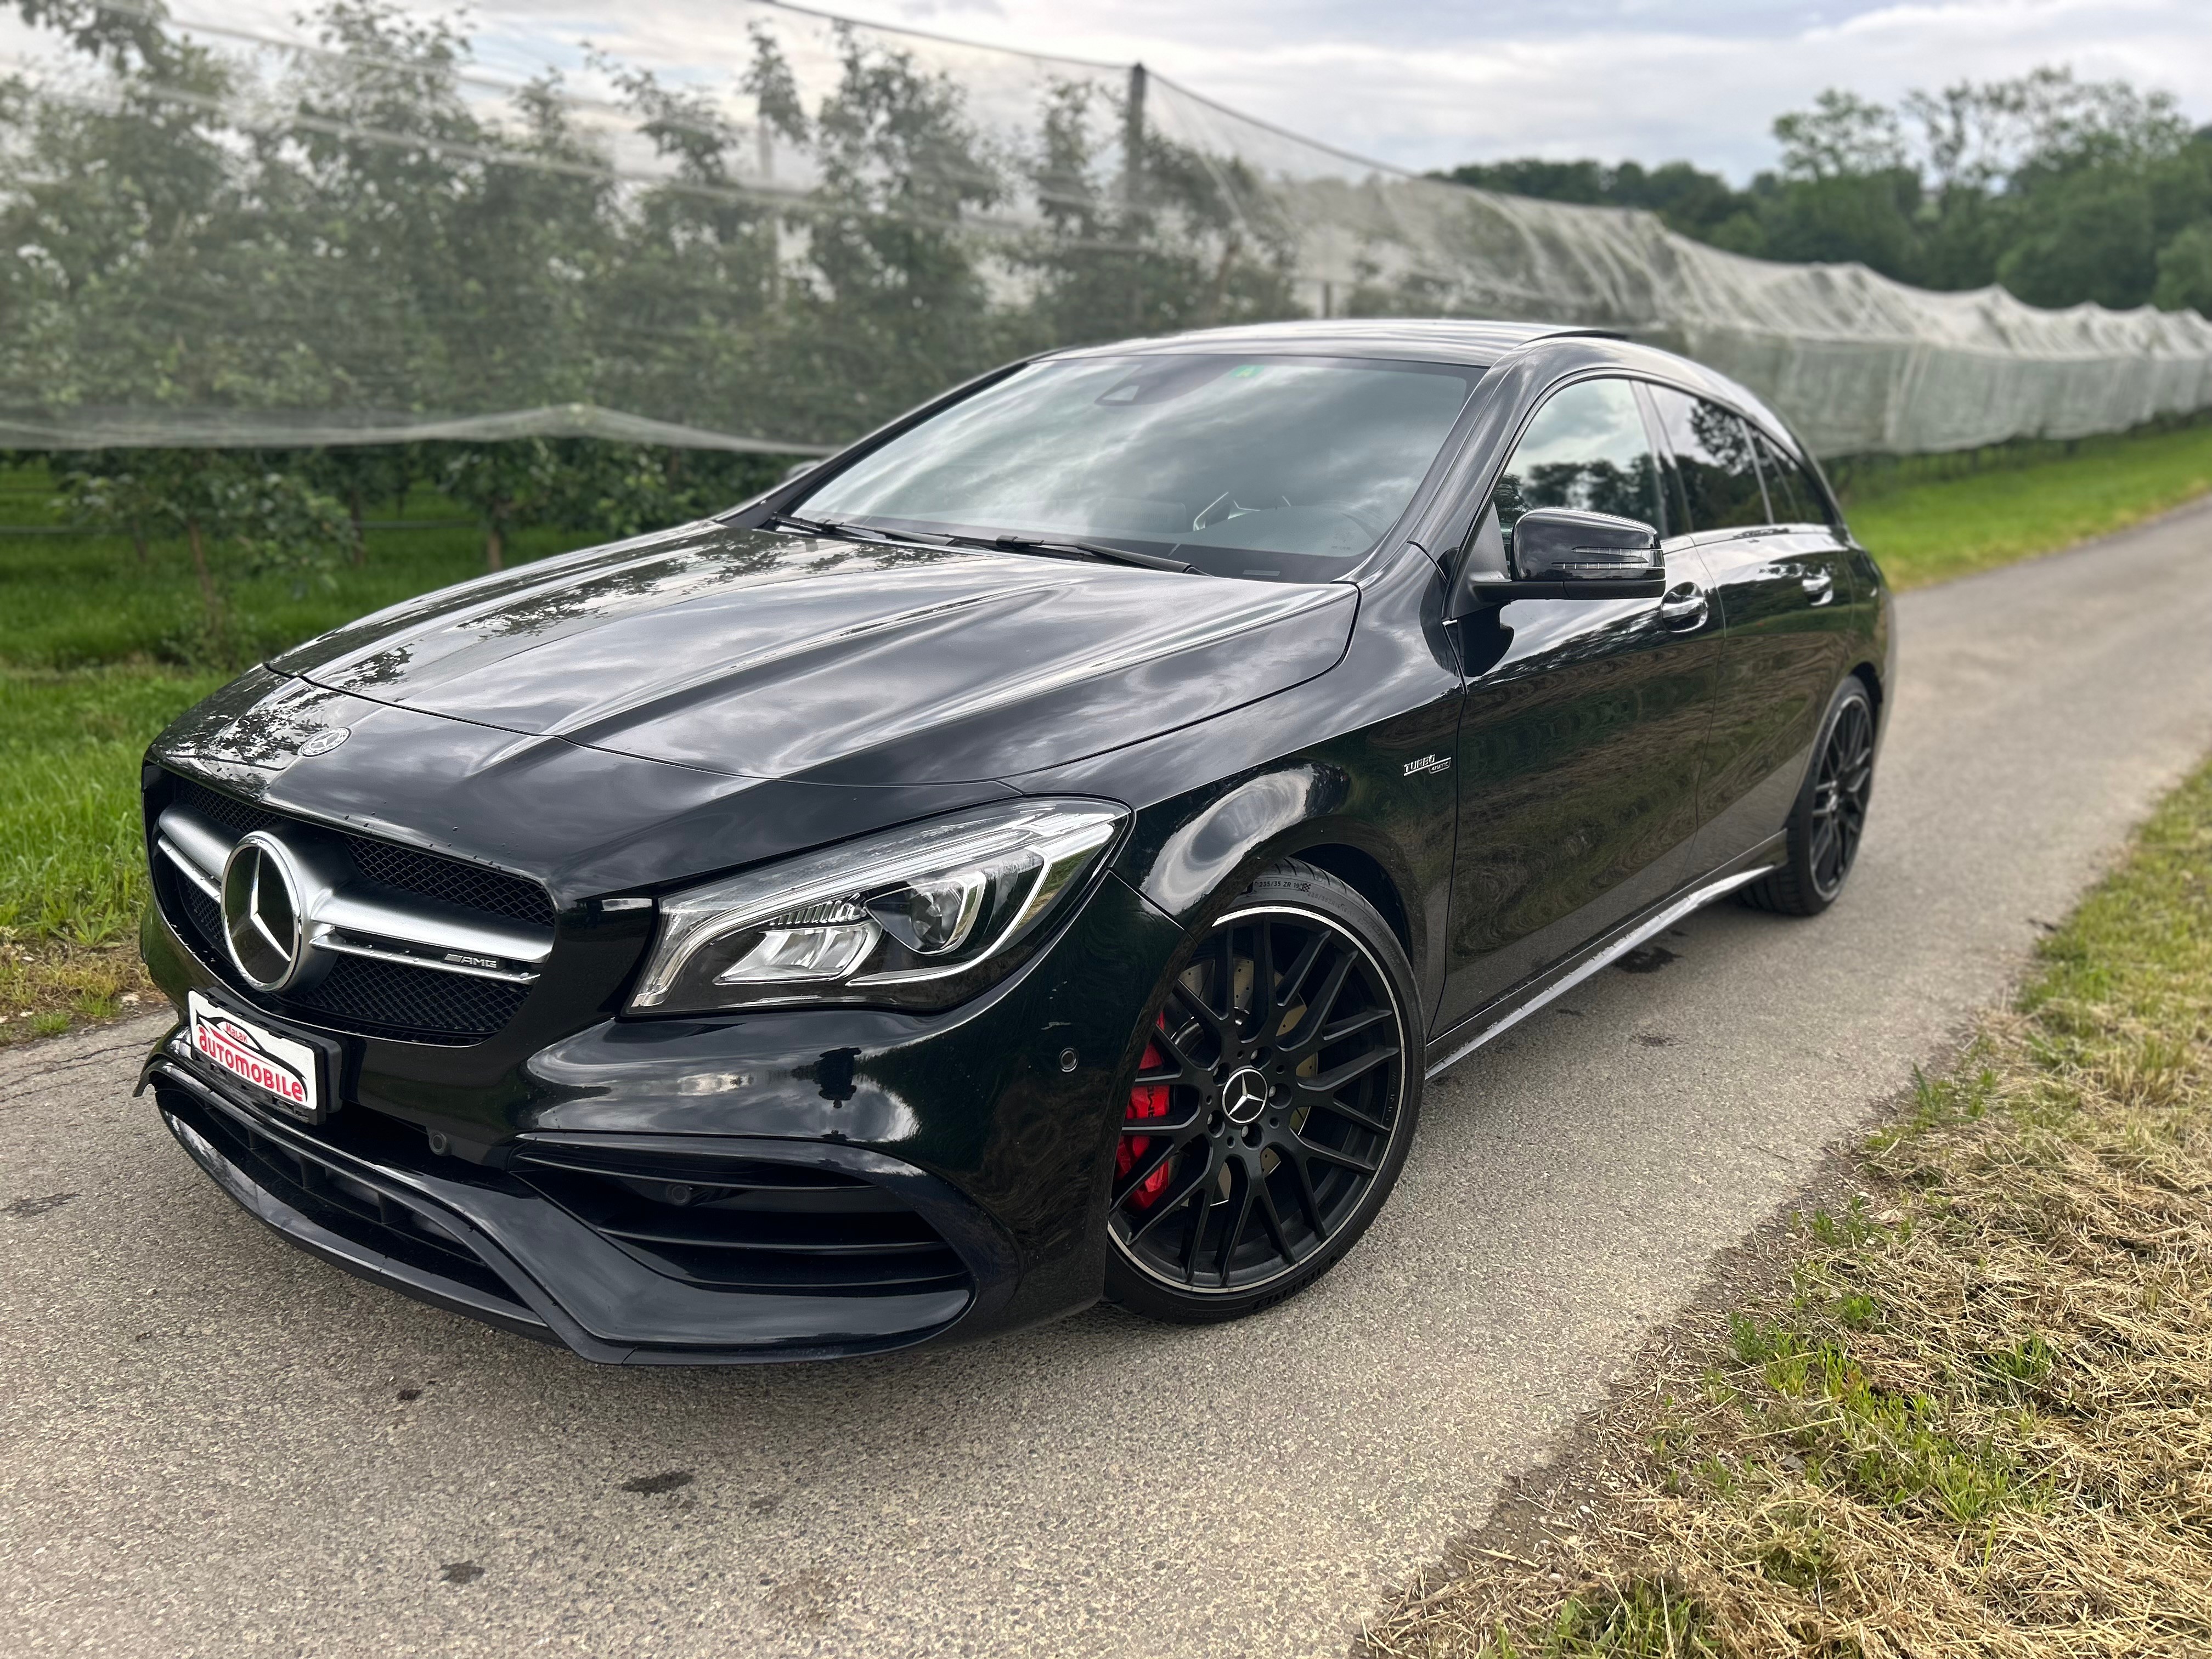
(1145, 1100)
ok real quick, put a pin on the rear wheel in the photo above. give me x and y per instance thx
(1829, 817)
(1272, 1107)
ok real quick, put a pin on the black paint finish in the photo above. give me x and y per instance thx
(1512, 785)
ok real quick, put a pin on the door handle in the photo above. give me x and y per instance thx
(1684, 608)
(1821, 585)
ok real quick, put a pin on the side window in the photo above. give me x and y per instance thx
(1795, 497)
(1713, 456)
(1586, 449)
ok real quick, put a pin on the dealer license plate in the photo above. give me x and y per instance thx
(286, 1072)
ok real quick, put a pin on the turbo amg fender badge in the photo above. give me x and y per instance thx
(1426, 764)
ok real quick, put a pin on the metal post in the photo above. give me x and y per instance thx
(1133, 176)
(1132, 142)
(774, 239)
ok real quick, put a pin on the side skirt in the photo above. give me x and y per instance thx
(1517, 1004)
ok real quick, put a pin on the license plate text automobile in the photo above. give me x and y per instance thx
(284, 1070)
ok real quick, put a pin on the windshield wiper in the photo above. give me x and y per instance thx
(1078, 550)
(832, 528)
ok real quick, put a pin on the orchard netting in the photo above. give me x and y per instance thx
(360, 234)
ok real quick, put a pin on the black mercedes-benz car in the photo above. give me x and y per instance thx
(1035, 854)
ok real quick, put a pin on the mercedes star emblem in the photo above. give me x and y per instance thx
(324, 740)
(261, 912)
(1244, 1097)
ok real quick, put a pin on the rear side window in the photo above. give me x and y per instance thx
(1712, 456)
(1586, 449)
(1794, 498)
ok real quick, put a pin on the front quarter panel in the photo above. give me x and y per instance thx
(1359, 759)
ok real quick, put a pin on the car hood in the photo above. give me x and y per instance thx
(761, 655)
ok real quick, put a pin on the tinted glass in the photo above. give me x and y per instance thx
(1713, 456)
(1258, 466)
(1586, 449)
(1790, 492)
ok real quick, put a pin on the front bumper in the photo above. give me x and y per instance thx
(496, 1250)
(896, 1179)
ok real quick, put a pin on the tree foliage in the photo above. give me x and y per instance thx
(356, 233)
(2062, 189)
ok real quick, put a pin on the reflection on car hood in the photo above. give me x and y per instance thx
(772, 656)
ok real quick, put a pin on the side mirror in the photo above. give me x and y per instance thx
(1560, 545)
(1559, 553)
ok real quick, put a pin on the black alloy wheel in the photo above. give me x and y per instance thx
(1829, 819)
(1272, 1105)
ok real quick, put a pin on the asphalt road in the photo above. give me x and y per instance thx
(213, 1444)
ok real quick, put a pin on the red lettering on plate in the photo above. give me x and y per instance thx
(236, 1061)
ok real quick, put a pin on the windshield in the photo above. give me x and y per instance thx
(1289, 468)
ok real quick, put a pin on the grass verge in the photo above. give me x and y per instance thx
(1971, 1412)
(91, 601)
(49, 985)
(1934, 530)
(72, 866)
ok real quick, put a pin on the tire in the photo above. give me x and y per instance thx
(1283, 1120)
(1829, 817)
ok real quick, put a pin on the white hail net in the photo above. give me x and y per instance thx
(361, 234)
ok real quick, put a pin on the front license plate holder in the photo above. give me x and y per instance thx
(285, 1070)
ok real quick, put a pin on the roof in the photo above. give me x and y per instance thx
(1422, 339)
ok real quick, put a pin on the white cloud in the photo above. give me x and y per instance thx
(1424, 83)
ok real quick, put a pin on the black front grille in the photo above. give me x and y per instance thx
(740, 1225)
(375, 999)
(450, 881)
(354, 1210)
(240, 818)
(404, 869)
(385, 996)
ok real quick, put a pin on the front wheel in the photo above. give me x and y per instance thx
(1273, 1106)
(1829, 815)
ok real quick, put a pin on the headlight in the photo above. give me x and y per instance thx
(922, 916)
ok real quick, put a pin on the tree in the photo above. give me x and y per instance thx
(2184, 272)
(1692, 201)
(2091, 241)
(507, 485)
(1837, 217)
(112, 492)
(357, 474)
(218, 500)
(282, 523)
(2063, 189)
(1843, 136)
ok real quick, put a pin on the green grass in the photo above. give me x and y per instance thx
(71, 865)
(99, 651)
(1969, 1417)
(1932, 530)
(85, 601)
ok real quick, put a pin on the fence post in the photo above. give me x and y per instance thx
(1133, 174)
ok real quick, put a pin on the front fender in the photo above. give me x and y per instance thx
(1359, 757)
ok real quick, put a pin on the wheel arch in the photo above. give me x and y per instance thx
(1871, 676)
(1362, 873)
(1214, 849)
(1868, 674)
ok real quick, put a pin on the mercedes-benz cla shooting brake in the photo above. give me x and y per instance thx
(1037, 853)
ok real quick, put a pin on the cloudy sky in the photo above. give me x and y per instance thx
(1427, 84)
(1423, 83)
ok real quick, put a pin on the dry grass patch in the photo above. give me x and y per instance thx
(1972, 1413)
(47, 986)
